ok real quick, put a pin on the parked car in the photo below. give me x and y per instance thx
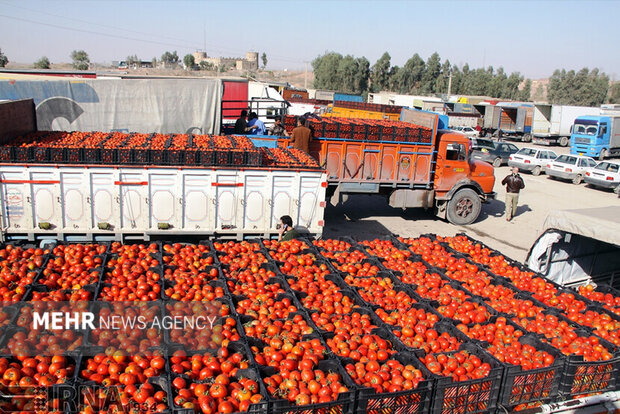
(606, 174)
(468, 131)
(570, 167)
(531, 159)
(478, 143)
(498, 155)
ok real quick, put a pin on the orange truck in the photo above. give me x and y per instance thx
(429, 170)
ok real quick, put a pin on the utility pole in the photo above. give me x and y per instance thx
(449, 84)
(306, 77)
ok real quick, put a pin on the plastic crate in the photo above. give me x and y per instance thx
(413, 401)
(6, 153)
(253, 158)
(92, 155)
(221, 158)
(41, 154)
(345, 404)
(472, 396)
(583, 377)
(124, 156)
(175, 157)
(74, 155)
(22, 154)
(140, 156)
(109, 156)
(158, 157)
(536, 385)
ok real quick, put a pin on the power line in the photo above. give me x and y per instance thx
(97, 33)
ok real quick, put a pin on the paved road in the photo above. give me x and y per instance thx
(367, 217)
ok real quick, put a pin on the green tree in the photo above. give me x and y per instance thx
(326, 71)
(380, 73)
(188, 61)
(170, 58)
(444, 77)
(539, 93)
(511, 86)
(362, 76)
(43, 63)
(431, 74)
(204, 65)
(526, 93)
(587, 88)
(80, 58)
(264, 59)
(347, 71)
(614, 93)
(154, 62)
(3, 59)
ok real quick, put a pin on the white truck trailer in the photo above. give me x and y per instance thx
(552, 124)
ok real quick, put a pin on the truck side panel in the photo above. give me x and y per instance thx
(109, 203)
(614, 136)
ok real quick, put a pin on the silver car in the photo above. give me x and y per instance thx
(605, 175)
(570, 167)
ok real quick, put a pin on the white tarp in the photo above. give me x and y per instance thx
(578, 246)
(132, 105)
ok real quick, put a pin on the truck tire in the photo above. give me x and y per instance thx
(537, 170)
(497, 162)
(526, 138)
(602, 155)
(577, 179)
(563, 141)
(464, 207)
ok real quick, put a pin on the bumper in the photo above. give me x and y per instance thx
(489, 196)
(600, 183)
(521, 165)
(560, 174)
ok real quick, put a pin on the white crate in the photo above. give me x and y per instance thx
(73, 202)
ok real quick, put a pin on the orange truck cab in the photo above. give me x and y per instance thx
(433, 170)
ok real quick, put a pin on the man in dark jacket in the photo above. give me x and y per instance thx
(514, 183)
(301, 136)
(241, 126)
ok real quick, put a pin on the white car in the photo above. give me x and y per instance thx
(605, 175)
(468, 131)
(570, 167)
(531, 159)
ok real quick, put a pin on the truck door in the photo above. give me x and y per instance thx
(452, 164)
(45, 196)
(74, 201)
(162, 201)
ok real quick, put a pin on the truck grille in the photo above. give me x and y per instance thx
(582, 141)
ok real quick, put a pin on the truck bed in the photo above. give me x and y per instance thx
(112, 202)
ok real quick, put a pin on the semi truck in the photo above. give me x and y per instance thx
(511, 120)
(347, 109)
(552, 124)
(596, 136)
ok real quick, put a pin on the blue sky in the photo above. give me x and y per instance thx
(531, 37)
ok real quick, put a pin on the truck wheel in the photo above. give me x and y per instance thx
(563, 141)
(526, 138)
(497, 162)
(577, 180)
(602, 155)
(464, 207)
(537, 170)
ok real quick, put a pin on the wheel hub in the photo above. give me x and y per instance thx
(464, 207)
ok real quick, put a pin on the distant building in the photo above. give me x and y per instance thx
(136, 65)
(250, 62)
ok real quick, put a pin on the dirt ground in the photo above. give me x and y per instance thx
(367, 217)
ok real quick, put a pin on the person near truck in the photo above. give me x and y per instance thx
(301, 136)
(241, 125)
(256, 124)
(514, 183)
(287, 232)
(278, 128)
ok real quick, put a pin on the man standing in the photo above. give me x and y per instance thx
(301, 136)
(514, 183)
(278, 129)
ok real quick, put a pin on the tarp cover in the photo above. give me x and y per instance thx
(578, 246)
(596, 223)
(132, 105)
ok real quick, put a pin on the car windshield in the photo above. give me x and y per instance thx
(585, 129)
(608, 166)
(529, 152)
(566, 159)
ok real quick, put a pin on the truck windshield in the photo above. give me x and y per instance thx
(585, 129)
